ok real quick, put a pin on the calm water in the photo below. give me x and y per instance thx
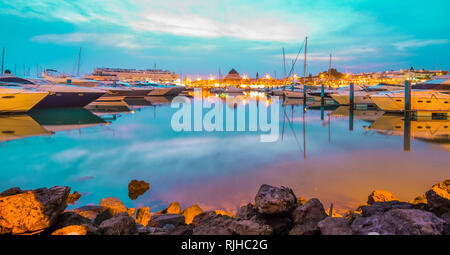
(321, 154)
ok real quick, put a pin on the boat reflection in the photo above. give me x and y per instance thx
(14, 127)
(365, 115)
(434, 131)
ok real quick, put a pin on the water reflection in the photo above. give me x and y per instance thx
(316, 154)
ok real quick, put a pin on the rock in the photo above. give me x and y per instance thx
(446, 218)
(174, 208)
(382, 207)
(248, 227)
(71, 230)
(399, 222)
(161, 220)
(279, 223)
(301, 200)
(274, 200)
(73, 198)
(246, 212)
(97, 214)
(202, 217)
(334, 226)
(311, 211)
(380, 196)
(182, 230)
(114, 205)
(32, 210)
(439, 197)
(121, 224)
(132, 212)
(422, 199)
(137, 188)
(190, 213)
(70, 219)
(309, 228)
(143, 215)
(220, 212)
(216, 225)
(11, 191)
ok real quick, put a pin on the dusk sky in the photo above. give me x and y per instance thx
(199, 37)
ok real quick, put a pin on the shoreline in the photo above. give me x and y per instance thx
(275, 211)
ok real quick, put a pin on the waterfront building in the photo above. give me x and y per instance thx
(233, 75)
(130, 75)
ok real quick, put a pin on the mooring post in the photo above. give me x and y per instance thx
(350, 119)
(352, 95)
(407, 100)
(322, 93)
(407, 134)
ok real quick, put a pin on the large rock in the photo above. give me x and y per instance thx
(137, 188)
(71, 230)
(181, 230)
(248, 227)
(143, 215)
(382, 207)
(202, 217)
(73, 198)
(380, 196)
(309, 228)
(279, 223)
(32, 210)
(73, 219)
(246, 212)
(215, 225)
(114, 205)
(97, 214)
(11, 191)
(400, 222)
(174, 208)
(190, 213)
(121, 224)
(334, 226)
(167, 219)
(446, 218)
(439, 197)
(311, 211)
(274, 200)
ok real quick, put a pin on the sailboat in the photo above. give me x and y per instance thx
(298, 91)
(14, 99)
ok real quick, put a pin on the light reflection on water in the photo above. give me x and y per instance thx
(321, 154)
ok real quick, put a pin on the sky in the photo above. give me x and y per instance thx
(194, 37)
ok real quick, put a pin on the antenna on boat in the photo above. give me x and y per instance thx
(79, 59)
(3, 59)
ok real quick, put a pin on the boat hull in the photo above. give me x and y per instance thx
(166, 91)
(293, 94)
(419, 102)
(20, 101)
(67, 100)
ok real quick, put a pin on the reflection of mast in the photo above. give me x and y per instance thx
(304, 133)
(304, 69)
(78, 66)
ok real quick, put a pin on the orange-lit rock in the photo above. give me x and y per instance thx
(71, 230)
(422, 199)
(274, 200)
(73, 198)
(381, 196)
(143, 216)
(174, 208)
(114, 205)
(220, 212)
(190, 213)
(137, 188)
(302, 200)
(439, 197)
(11, 191)
(132, 212)
(33, 210)
(96, 214)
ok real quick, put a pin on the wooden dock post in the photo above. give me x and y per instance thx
(352, 95)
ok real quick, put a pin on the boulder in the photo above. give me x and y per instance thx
(301, 200)
(311, 211)
(382, 207)
(137, 188)
(71, 230)
(309, 228)
(399, 222)
(181, 230)
(274, 200)
(215, 225)
(174, 208)
(132, 212)
(97, 214)
(279, 223)
(422, 199)
(334, 226)
(380, 196)
(114, 205)
(11, 191)
(220, 212)
(74, 219)
(143, 215)
(190, 213)
(161, 220)
(246, 212)
(446, 218)
(73, 198)
(121, 224)
(248, 227)
(439, 197)
(32, 211)
(202, 217)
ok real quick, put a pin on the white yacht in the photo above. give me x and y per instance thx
(362, 93)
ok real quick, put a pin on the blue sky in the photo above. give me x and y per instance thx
(199, 37)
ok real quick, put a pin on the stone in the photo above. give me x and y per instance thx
(422, 199)
(161, 220)
(132, 212)
(446, 218)
(382, 207)
(71, 230)
(220, 212)
(11, 191)
(399, 222)
(143, 216)
(174, 208)
(246, 212)
(309, 228)
(32, 211)
(280, 224)
(70, 218)
(97, 214)
(190, 213)
(274, 200)
(215, 225)
(248, 227)
(334, 226)
(311, 211)
(137, 188)
(114, 205)
(182, 230)
(73, 198)
(202, 217)
(439, 197)
(121, 224)
(380, 196)
(302, 200)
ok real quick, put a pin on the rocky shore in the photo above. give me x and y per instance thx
(276, 211)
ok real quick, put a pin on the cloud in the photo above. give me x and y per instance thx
(419, 43)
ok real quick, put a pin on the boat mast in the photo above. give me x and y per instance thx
(304, 68)
(329, 72)
(78, 66)
(284, 63)
(3, 59)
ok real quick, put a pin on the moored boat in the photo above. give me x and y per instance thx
(14, 99)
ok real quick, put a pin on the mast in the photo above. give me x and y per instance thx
(78, 66)
(329, 71)
(3, 59)
(304, 68)
(284, 63)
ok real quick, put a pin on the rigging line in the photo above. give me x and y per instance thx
(295, 136)
(294, 62)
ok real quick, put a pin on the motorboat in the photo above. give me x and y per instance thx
(362, 93)
(59, 78)
(59, 96)
(164, 90)
(17, 99)
(433, 95)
